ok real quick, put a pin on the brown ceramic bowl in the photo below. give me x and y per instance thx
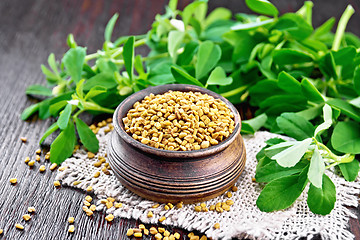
(174, 176)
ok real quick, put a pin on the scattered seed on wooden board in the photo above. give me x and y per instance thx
(89, 212)
(27, 159)
(19, 226)
(71, 228)
(13, 180)
(93, 207)
(62, 169)
(217, 225)
(1, 231)
(85, 208)
(57, 184)
(153, 230)
(26, 217)
(53, 166)
(109, 217)
(86, 203)
(37, 158)
(23, 139)
(71, 219)
(31, 163)
(129, 232)
(42, 168)
(31, 209)
(38, 151)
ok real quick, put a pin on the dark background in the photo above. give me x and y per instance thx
(29, 31)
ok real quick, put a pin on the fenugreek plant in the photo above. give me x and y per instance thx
(278, 64)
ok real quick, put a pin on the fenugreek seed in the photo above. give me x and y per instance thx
(166, 233)
(204, 209)
(23, 139)
(161, 230)
(166, 238)
(38, 151)
(202, 205)
(146, 231)
(170, 205)
(31, 163)
(31, 209)
(205, 144)
(92, 207)
(190, 235)
(106, 172)
(150, 214)
(229, 202)
(153, 231)
(136, 230)
(219, 209)
(57, 184)
(1, 231)
(109, 120)
(76, 183)
(229, 194)
(85, 208)
(42, 168)
(26, 217)
(197, 208)
(166, 207)
(109, 217)
(253, 179)
(177, 235)
(171, 237)
(110, 199)
(19, 226)
(86, 203)
(162, 219)
(225, 207)
(203, 237)
(13, 180)
(142, 227)
(71, 228)
(103, 201)
(88, 198)
(179, 205)
(47, 156)
(89, 188)
(212, 208)
(96, 174)
(37, 158)
(53, 166)
(89, 212)
(109, 205)
(194, 237)
(97, 164)
(234, 188)
(158, 236)
(118, 205)
(217, 225)
(129, 232)
(71, 219)
(156, 205)
(27, 159)
(90, 155)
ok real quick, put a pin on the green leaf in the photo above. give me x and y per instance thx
(357, 80)
(273, 170)
(105, 80)
(311, 92)
(278, 147)
(310, 113)
(281, 193)
(183, 77)
(322, 200)
(73, 61)
(208, 56)
(251, 25)
(218, 14)
(345, 107)
(288, 83)
(106, 66)
(175, 39)
(346, 137)
(218, 77)
(327, 113)
(63, 145)
(295, 126)
(350, 170)
(325, 28)
(55, 108)
(110, 27)
(80, 89)
(254, 124)
(94, 92)
(52, 64)
(50, 76)
(44, 109)
(187, 56)
(38, 90)
(64, 117)
(49, 131)
(87, 137)
(29, 111)
(316, 169)
(292, 155)
(190, 9)
(128, 55)
(327, 65)
(173, 5)
(288, 56)
(263, 7)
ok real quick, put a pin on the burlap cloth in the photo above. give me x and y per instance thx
(243, 220)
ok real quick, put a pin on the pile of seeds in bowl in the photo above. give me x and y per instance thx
(179, 121)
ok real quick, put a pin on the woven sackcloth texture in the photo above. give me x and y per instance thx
(243, 220)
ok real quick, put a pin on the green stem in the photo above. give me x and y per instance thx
(338, 159)
(306, 11)
(235, 91)
(161, 55)
(349, 11)
(120, 50)
(78, 113)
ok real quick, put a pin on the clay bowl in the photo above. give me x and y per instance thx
(174, 176)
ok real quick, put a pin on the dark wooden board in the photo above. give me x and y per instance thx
(29, 31)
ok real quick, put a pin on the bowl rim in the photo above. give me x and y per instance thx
(128, 103)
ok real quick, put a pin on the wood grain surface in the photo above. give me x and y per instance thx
(29, 31)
